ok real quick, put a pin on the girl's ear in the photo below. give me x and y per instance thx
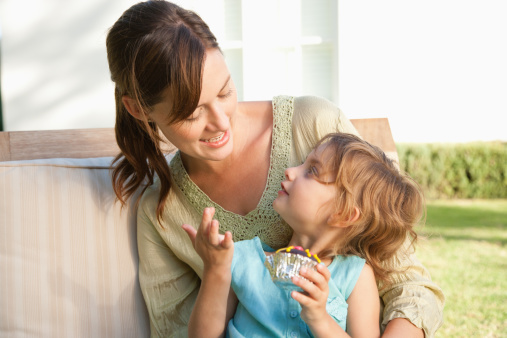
(132, 107)
(337, 220)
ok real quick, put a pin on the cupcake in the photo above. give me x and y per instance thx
(286, 263)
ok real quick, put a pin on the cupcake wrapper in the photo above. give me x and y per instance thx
(282, 266)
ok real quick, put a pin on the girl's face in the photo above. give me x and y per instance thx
(207, 133)
(306, 200)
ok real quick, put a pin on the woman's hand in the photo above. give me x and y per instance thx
(215, 250)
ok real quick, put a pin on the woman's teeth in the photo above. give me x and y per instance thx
(214, 139)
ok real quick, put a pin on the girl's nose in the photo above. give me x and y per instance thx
(289, 173)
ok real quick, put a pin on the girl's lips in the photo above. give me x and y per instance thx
(283, 191)
(218, 141)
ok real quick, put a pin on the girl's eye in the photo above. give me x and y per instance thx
(312, 171)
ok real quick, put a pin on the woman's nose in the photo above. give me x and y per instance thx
(218, 117)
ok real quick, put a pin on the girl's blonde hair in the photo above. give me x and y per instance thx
(389, 201)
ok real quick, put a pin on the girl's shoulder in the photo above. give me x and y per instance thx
(345, 271)
(347, 262)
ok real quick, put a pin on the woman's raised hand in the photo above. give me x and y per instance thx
(215, 249)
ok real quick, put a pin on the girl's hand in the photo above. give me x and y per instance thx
(216, 250)
(313, 301)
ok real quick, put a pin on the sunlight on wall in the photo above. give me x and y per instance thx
(437, 69)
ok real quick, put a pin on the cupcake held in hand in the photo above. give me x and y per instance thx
(286, 263)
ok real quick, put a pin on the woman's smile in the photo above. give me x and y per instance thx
(217, 141)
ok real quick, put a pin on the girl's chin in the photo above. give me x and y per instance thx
(275, 205)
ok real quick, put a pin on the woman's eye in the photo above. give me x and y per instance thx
(226, 95)
(195, 116)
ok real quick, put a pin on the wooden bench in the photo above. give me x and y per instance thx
(85, 143)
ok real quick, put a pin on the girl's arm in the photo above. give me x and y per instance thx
(364, 306)
(213, 309)
(216, 302)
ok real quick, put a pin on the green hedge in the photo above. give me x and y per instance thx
(468, 170)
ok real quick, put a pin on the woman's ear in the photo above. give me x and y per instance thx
(132, 107)
(337, 220)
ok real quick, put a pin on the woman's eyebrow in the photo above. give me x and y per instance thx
(226, 82)
(225, 85)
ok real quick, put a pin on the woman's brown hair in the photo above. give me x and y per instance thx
(153, 47)
(390, 202)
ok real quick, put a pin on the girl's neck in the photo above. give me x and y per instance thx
(324, 242)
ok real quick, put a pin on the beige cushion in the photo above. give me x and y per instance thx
(68, 253)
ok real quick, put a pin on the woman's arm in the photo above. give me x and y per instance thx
(169, 286)
(315, 117)
(216, 302)
(401, 327)
(411, 297)
(364, 306)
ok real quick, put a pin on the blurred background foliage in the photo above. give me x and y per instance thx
(462, 170)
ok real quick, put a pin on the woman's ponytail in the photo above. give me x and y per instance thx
(140, 156)
(154, 49)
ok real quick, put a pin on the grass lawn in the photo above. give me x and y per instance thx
(465, 250)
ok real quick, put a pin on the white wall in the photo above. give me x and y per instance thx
(54, 67)
(436, 68)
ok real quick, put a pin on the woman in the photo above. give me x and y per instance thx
(171, 81)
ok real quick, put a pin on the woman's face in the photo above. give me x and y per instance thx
(207, 133)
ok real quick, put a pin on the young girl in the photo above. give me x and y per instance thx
(347, 203)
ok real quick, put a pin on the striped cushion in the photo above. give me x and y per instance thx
(68, 253)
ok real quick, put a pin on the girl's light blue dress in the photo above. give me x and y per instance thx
(265, 310)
